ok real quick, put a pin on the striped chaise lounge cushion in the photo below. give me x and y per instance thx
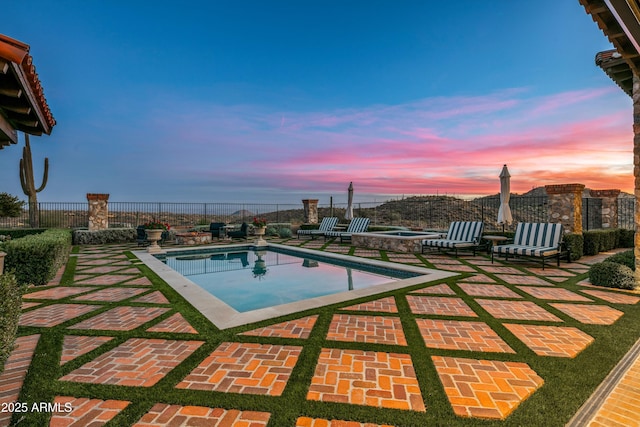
(461, 234)
(327, 224)
(357, 225)
(533, 239)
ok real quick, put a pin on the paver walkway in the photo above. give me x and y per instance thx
(465, 349)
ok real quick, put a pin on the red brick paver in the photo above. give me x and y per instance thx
(478, 278)
(140, 281)
(590, 314)
(26, 305)
(54, 314)
(501, 270)
(518, 310)
(58, 292)
(498, 291)
(107, 279)
(513, 279)
(368, 378)
(162, 414)
(155, 297)
(85, 412)
(384, 305)
(369, 329)
(442, 289)
(121, 318)
(461, 335)
(136, 362)
(546, 293)
(111, 294)
(321, 422)
(15, 370)
(244, 368)
(76, 345)
(442, 306)
(612, 297)
(557, 341)
(298, 328)
(485, 388)
(175, 324)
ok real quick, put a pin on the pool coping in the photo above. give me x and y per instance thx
(224, 316)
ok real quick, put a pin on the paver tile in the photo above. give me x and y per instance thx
(478, 278)
(369, 378)
(104, 269)
(551, 272)
(137, 362)
(298, 328)
(513, 279)
(140, 281)
(479, 290)
(461, 335)
(25, 305)
(454, 267)
(612, 297)
(175, 324)
(547, 293)
(442, 289)
(442, 306)
(121, 318)
(518, 310)
(485, 388)
(111, 294)
(384, 305)
(244, 368)
(86, 412)
(321, 422)
(370, 329)
(501, 270)
(55, 314)
(76, 345)
(15, 370)
(557, 341)
(162, 414)
(107, 279)
(58, 292)
(155, 297)
(590, 314)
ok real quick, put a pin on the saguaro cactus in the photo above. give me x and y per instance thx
(27, 182)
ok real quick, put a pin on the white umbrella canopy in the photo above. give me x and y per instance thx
(349, 213)
(504, 212)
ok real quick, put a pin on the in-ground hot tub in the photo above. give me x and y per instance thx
(395, 240)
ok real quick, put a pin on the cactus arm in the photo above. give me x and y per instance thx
(46, 175)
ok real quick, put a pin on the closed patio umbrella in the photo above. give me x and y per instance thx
(504, 212)
(349, 213)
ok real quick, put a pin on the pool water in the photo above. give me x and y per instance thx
(249, 279)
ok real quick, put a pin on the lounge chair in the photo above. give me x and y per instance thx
(461, 235)
(216, 228)
(357, 225)
(327, 224)
(240, 234)
(538, 240)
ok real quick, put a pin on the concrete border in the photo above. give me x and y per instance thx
(224, 316)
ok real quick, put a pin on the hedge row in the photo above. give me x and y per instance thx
(616, 271)
(36, 258)
(596, 241)
(100, 237)
(10, 306)
(17, 233)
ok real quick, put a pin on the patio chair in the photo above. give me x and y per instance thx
(243, 233)
(327, 224)
(537, 240)
(216, 228)
(461, 235)
(357, 225)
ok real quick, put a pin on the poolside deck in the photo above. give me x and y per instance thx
(116, 345)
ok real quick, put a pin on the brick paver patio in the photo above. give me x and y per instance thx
(55, 314)
(369, 329)
(77, 345)
(479, 290)
(86, 412)
(552, 293)
(461, 335)
(442, 289)
(558, 341)
(121, 318)
(175, 415)
(298, 328)
(442, 306)
(517, 310)
(58, 292)
(15, 369)
(385, 305)
(612, 297)
(592, 314)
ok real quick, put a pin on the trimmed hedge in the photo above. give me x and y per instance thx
(10, 307)
(100, 237)
(596, 241)
(575, 243)
(625, 258)
(284, 232)
(35, 259)
(627, 238)
(17, 233)
(612, 275)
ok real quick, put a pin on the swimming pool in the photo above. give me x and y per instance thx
(234, 285)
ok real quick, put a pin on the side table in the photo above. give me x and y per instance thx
(494, 241)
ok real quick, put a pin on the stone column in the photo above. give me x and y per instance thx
(636, 168)
(310, 211)
(609, 206)
(565, 206)
(98, 211)
(2, 255)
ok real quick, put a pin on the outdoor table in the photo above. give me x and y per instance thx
(494, 241)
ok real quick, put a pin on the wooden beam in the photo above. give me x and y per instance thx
(7, 131)
(4, 66)
(20, 110)
(28, 123)
(13, 93)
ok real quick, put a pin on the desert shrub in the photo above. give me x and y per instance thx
(10, 306)
(612, 275)
(100, 237)
(271, 231)
(575, 244)
(626, 238)
(35, 259)
(625, 258)
(284, 232)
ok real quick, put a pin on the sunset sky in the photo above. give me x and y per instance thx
(274, 101)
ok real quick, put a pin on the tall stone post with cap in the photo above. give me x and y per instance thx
(310, 211)
(565, 206)
(609, 206)
(98, 211)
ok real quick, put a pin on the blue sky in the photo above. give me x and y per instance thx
(262, 101)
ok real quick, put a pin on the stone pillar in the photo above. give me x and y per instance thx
(636, 169)
(565, 206)
(310, 211)
(609, 206)
(98, 211)
(2, 255)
